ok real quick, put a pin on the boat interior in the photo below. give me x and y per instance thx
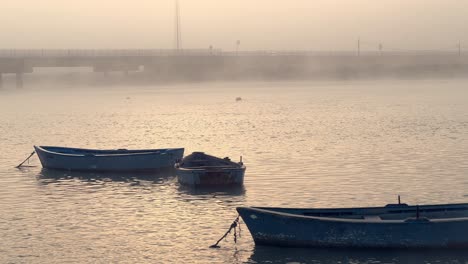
(389, 212)
(200, 160)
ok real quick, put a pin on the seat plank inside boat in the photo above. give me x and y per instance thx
(372, 217)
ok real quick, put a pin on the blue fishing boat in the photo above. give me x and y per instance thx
(392, 226)
(200, 169)
(107, 160)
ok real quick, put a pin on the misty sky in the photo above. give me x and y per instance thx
(258, 24)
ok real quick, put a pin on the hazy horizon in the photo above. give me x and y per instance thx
(281, 25)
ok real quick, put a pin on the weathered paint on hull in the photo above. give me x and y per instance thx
(116, 163)
(288, 230)
(206, 178)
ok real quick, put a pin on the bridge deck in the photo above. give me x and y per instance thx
(218, 64)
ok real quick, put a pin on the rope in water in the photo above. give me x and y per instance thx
(27, 159)
(234, 226)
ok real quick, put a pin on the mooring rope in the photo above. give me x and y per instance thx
(27, 159)
(234, 226)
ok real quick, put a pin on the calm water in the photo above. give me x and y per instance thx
(305, 145)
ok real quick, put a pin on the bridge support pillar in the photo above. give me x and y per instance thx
(1, 80)
(19, 80)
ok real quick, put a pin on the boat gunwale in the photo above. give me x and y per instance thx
(211, 168)
(422, 220)
(129, 153)
(388, 206)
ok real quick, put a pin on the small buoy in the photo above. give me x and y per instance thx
(238, 99)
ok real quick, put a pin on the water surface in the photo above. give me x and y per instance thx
(318, 144)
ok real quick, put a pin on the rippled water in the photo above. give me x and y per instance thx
(304, 144)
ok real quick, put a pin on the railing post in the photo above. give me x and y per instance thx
(19, 80)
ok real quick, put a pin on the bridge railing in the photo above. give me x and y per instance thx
(73, 53)
(35, 53)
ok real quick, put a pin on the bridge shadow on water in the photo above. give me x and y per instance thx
(47, 176)
(264, 254)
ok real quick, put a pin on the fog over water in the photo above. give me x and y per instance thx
(335, 127)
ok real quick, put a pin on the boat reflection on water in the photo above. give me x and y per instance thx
(213, 191)
(47, 176)
(264, 254)
(227, 195)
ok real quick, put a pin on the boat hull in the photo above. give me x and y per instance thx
(202, 177)
(291, 230)
(112, 160)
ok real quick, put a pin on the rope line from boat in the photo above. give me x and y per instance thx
(237, 232)
(27, 159)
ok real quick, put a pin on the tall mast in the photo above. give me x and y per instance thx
(177, 34)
